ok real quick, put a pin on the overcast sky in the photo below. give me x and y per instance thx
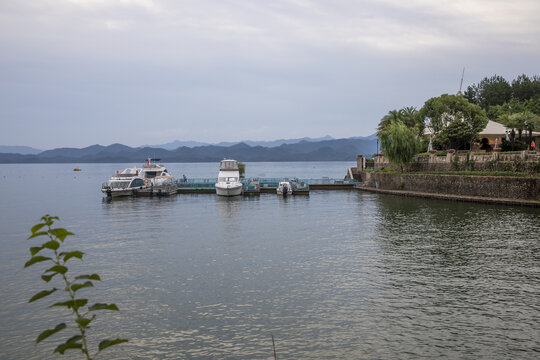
(81, 72)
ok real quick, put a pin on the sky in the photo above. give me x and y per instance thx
(79, 72)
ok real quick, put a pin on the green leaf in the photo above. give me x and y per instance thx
(66, 346)
(41, 294)
(73, 339)
(49, 220)
(84, 321)
(90, 277)
(36, 259)
(37, 227)
(77, 303)
(53, 245)
(103, 307)
(60, 233)
(76, 287)
(69, 255)
(58, 269)
(50, 332)
(106, 343)
(35, 249)
(37, 234)
(48, 278)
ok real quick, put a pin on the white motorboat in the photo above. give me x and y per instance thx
(284, 188)
(228, 183)
(157, 179)
(126, 183)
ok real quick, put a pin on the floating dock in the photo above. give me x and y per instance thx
(256, 186)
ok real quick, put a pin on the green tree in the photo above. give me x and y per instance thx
(412, 120)
(471, 94)
(439, 112)
(511, 107)
(457, 135)
(524, 122)
(388, 119)
(533, 105)
(407, 115)
(525, 88)
(241, 169)
(399, 143)
(493, 91)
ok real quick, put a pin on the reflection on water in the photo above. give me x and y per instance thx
(338, 274)
(461, 271)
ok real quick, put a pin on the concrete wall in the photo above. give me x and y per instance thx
(525, 188)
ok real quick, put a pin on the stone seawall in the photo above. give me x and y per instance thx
(495, 187)
(525, 161)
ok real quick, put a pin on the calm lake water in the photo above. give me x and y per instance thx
(336, 275)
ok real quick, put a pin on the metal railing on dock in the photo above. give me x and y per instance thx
(257, 185)
(197, 185)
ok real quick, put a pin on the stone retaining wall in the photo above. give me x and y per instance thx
(505, 187)
(521, 162)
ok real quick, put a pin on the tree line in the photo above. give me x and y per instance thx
(455, 121)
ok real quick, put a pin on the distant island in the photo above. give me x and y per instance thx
(304, 150)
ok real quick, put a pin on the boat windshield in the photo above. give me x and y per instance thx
(119, 184)
(230, 179)
(137, 182)
(229, 165)
(130, 171)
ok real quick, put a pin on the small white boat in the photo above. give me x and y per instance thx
(125, 183)
(284, 188)
(228, 183)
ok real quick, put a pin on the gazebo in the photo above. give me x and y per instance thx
(494, 132)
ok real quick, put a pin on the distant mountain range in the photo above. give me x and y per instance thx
(19, 150)
(177, 143)
(304, 150)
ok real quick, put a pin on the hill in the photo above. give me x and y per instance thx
(24, 150)
(326, 150)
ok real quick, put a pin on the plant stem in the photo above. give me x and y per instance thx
(75, 309)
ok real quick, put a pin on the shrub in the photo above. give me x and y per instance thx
(518, 145)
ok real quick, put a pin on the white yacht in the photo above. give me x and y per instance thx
(126, 183)
(284, 188)
(228, 183)
(157, 179)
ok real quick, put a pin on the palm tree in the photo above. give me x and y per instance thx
(409, 116)
(392, 116)
(524, 121)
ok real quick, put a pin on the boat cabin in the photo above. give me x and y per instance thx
(126, 184)
(228, 165)
(150, 173)
(151, 170)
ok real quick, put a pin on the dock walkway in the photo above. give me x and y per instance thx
(257, 185)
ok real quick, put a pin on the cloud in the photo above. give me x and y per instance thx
(323, 67)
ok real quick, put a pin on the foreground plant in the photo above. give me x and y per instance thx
(83, 313)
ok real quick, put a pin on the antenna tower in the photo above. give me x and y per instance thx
(461, 83)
